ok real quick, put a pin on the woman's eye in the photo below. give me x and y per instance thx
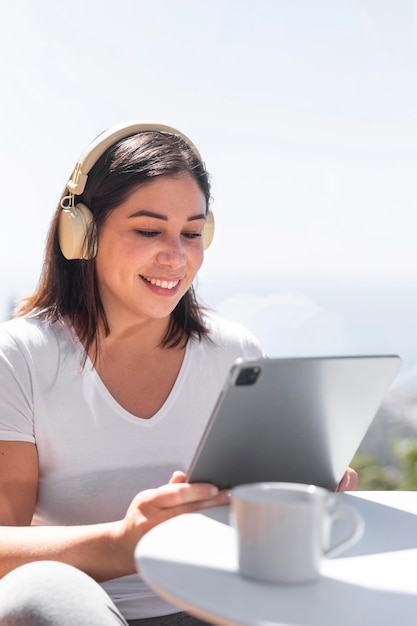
(192, 235)
(147, 233)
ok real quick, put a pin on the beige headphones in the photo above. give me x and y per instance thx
(76, 222)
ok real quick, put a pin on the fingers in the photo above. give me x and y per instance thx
(215, 495)
(176, 494)
(153, 506)
(177, 477)
(349, 481)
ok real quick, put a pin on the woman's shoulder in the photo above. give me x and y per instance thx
(34, 333)
(25, 328)
(228, 333)
(20, 330)
(210, 359)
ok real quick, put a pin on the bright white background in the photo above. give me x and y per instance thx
(305, 112)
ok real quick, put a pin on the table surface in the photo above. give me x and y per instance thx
(191, 561)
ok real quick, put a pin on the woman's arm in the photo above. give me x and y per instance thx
(103, 551)
(18, 482)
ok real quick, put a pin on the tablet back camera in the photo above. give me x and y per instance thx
(248, 375)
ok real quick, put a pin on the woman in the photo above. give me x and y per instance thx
(108, 375)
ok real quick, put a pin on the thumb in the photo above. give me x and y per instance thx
(177, 477)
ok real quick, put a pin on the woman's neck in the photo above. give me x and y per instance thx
(142, 336)
(137, 370)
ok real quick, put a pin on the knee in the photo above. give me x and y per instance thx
(37, 593)
(49, 593)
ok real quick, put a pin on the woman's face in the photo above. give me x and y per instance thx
(149, 250)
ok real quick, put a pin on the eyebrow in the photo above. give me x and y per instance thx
(159, 216)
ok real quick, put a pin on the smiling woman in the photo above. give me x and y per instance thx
(108, 375)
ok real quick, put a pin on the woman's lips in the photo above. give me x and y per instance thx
(164, 284)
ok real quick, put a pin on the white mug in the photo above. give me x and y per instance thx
(283, 530)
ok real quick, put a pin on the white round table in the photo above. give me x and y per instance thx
(191, 561)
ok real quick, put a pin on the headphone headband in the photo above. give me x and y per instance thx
(76, 222)
(98, 147)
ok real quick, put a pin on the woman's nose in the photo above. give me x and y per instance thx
(172, 253)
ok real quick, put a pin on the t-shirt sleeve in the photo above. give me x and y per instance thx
(238, 337)
(251, 346)
(16, 404)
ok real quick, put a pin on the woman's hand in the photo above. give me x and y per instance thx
(153, 506)
(104, 550)
(349, 481)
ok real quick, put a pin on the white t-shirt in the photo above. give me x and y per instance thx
(94, 456)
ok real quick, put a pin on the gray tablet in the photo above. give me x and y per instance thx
(291, 419)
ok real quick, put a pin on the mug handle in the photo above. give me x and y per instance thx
(358, 527)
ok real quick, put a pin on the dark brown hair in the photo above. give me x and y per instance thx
(68, 289)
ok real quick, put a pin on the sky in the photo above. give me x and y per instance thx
(305, 113)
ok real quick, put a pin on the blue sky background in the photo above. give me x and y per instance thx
(305, 112)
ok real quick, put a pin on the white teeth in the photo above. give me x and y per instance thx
(165, 284)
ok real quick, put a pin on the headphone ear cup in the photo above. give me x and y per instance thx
(208, 232)
(76, 226)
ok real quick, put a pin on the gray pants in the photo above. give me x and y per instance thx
(48, 593)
